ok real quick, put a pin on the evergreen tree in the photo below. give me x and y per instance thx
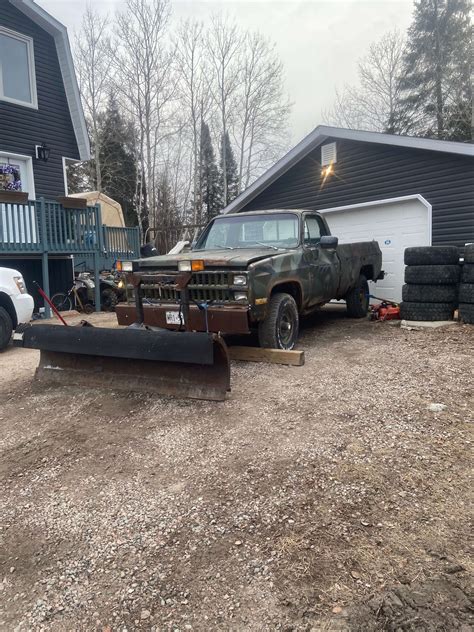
(436, 87)
(118, 160)
(211, 192)
(231, 169)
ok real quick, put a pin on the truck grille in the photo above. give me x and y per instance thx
(204, 286)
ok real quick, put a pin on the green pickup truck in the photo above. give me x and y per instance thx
(257, 270)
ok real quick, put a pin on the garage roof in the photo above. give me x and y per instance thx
(322, 133)
(61, 39)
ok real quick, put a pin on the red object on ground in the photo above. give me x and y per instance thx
(385, 311)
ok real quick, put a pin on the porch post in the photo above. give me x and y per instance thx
(44, 255)
(98, 248)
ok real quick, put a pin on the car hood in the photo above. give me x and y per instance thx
(213, 259)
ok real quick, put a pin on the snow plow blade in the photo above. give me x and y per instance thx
(180, 364)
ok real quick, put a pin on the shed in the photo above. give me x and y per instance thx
(400, 190)
(111, 210)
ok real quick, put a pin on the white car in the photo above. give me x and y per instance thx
(16, 305)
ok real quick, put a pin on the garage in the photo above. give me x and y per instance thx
(400, 190)
(395, 223)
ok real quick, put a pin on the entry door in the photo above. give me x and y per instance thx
(395, 224)
(323, 263)
(17, 222)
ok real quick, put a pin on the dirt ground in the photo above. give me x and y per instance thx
(328, 497)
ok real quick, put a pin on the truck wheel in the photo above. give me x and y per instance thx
(466, 313)
(466, 293)
(467, 273)
(469, 253)
(432, 275)
(108, 300)
(357, 299)
(426, 311)
(431, 255)
(280, 328)
(430, 293)
(6, 328)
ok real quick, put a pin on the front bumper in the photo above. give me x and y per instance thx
(226, 319)
(24, 305)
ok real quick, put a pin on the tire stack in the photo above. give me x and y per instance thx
(466, 288)
(431, 283)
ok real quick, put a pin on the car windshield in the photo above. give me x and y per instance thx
(269, 231)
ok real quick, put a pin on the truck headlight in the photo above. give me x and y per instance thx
(20, 284)
(240, 296)
(184, 266)
(125, 266)
(240, 279)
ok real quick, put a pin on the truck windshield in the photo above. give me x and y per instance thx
(273, 231)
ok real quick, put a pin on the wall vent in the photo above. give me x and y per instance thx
(328, 154)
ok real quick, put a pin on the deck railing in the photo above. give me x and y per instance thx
(42, 226)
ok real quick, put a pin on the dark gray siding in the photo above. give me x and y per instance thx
(21, 128)
(367, 171)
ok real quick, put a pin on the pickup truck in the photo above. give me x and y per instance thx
(258, 270)
(16, 305)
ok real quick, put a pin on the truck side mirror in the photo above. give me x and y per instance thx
(329, 241)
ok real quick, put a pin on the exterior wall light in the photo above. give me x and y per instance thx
(326, 171)
(42, 152)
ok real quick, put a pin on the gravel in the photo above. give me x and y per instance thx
(305, 498)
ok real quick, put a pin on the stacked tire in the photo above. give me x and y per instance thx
(466, 288)
(431, 283)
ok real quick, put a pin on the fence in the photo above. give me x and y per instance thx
(42, 226)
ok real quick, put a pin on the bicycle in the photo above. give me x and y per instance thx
(77, 297)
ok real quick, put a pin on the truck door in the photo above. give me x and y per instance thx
(324, 263)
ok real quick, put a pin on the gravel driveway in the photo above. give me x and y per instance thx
(324, 497)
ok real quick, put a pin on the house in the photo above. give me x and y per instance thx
(400, 190)
(42, 125)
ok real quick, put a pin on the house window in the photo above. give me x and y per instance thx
(17, 69)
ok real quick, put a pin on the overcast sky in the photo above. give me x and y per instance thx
(319, 41)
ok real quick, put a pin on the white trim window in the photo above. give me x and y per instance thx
(17, 69)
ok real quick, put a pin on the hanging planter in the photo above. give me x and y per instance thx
(10, 185)
(9, 178)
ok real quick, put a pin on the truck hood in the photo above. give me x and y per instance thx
(213, 259)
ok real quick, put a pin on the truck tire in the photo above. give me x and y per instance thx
(466, 293)
(6, 328)
(108, 300)
(431, 255)
(280, 328)
(426, 311)
(429, 293)
(469, 253)
(467, 275)
(432, 275)
(357, 299)
(466, 313)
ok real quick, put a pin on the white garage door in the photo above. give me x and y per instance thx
(396, 224)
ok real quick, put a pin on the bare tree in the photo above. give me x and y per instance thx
(146, 85)
(224, 42)
(374, 103)
(93, 55)
(262, 110)
(194, 93)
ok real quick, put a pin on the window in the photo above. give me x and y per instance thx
(17, 69)
(279, 230)
(313, 230)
